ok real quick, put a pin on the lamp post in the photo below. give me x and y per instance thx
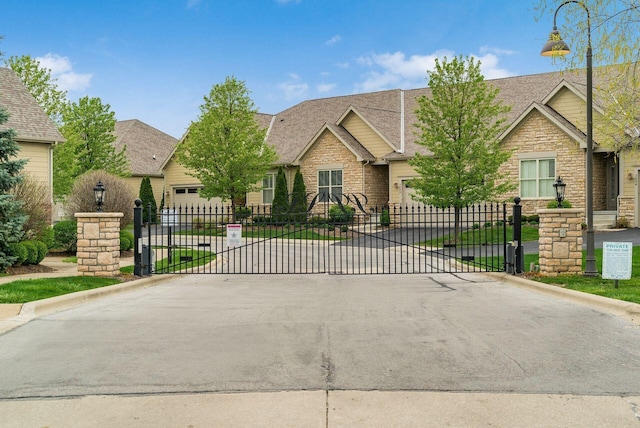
(98, 193)
(557, 46)
(559, 186)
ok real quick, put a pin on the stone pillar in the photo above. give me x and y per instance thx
(98, 244)
(560, 241)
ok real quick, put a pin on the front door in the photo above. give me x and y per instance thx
(612, 184)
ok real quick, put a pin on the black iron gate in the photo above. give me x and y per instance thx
(338, 238)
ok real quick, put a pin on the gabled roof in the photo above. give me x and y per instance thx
(26, 116)
(358, 150)
(147, 147)
(552, 116)
(294, 129)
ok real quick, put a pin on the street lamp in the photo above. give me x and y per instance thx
(557, 46)
(98, 192)
(559, 186)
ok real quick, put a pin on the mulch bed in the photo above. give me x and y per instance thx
(26, 269)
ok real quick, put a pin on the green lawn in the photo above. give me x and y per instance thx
(184, 258)
(628, 290)
(28, 290)
(485, 236)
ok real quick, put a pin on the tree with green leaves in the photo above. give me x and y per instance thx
(225, 148)
(613, 28)
(88, 128)
(147, 197)
(11, 216)
(40, 84)
(459, 126)
(280, 203)
(299, 203)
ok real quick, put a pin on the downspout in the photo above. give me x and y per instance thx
(401, 122)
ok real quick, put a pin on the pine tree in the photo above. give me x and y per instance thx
(11, 217)
(146, 196)
(280, 204)
(299, 202)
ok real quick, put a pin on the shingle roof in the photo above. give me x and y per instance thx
(293, 129)
(147, 147)
(26, 116)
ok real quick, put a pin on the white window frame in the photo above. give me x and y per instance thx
(331, 186)
(538, 179)
(272, 176)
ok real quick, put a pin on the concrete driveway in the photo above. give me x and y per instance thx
(339, 336)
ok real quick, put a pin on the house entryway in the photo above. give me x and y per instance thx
(348, 237)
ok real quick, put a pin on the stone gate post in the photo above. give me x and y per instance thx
(560, 241)
(98, 244)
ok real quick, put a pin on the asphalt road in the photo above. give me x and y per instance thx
(227, 333)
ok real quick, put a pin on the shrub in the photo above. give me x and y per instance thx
(554, 204)
(622, 223)
(42, 250)
(65, 234)
(126, 240)
(147, 197)
(242, 213)
(125, 243)
(32, 253)
(535, 218)
(341, 213)
(19, 251)
(118, 197)
(385, 218)
(36, 203)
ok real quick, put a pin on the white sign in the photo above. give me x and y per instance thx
(234, 235)
(168, 217)
(616, 260)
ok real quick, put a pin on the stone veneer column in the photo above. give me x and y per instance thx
(560, 241)
(98, 244)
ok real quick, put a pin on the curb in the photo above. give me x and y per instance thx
(627, 310)
(38, 308)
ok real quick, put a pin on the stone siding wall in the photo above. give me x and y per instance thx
(537, 134)
(98, 244)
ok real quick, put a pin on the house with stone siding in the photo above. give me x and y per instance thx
(361, 144)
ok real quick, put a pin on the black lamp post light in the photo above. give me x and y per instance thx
(559, 187)
(557, 46)
(98, 192)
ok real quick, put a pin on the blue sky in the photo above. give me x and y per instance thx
(156, 60)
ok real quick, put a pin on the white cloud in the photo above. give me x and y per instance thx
(287, 1)
(294, 89)
(62, 70)
(325, 87)
(497, 51)
(395, 70)
(332, 41)
(193, 3)
(489, 67)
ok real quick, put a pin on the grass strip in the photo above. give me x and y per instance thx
(28, 290)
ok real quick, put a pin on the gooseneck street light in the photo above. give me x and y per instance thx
(557, 46)
(98, 193)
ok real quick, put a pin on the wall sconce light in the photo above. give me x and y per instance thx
(98, 192)
(559, 187)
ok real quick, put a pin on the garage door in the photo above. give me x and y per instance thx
(189, 196)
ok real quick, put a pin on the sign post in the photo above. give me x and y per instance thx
(616, 260)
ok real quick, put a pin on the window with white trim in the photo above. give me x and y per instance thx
(537, 177)
(268, 188)
(329, 183)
